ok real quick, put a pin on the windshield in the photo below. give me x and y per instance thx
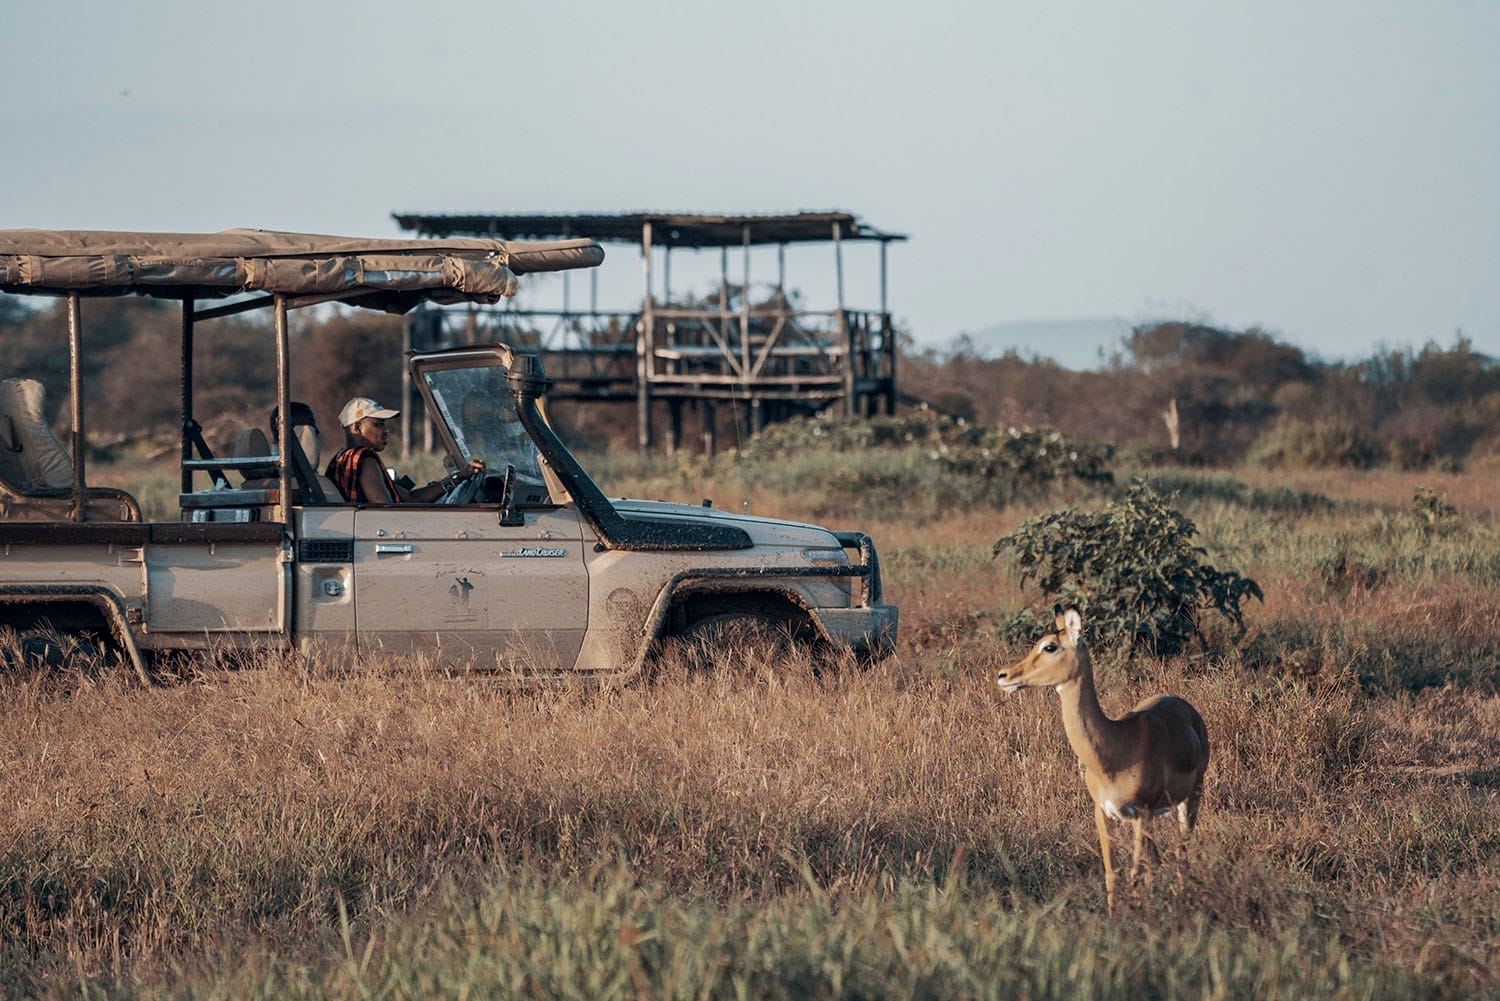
(481, 413)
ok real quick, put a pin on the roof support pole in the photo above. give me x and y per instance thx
(644, 348)
(406, 346)
(283, 413)
(188, 304)
(75, 386)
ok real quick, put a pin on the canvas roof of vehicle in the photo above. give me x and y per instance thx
(393, 275)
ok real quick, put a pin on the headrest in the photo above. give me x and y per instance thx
(250, 443)
(312, 445)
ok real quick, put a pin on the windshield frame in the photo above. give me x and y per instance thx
(457, 441)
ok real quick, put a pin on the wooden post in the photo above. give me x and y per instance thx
(710, 428)
(674, 426)
(745, 306)
(844, 328)
(887, 337)
(724, 292)
(644, 348)
(781, 275)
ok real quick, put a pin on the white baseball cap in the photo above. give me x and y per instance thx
(361, 407)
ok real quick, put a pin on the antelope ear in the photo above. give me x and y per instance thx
(1072, 625)
(1057, 617)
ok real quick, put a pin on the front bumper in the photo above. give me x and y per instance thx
(870, 632)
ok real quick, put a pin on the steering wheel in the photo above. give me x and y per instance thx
(464, 492)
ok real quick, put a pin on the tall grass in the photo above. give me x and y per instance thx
(344, 828)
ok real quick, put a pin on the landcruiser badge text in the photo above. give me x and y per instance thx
(534, 551)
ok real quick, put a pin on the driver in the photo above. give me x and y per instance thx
(356, 468)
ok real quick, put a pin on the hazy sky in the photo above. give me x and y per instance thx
(1329, 171)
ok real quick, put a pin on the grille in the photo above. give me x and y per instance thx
(325, 551)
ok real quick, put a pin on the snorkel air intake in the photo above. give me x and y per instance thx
(528, 383)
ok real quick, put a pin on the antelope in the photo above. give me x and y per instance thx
(1140, 766)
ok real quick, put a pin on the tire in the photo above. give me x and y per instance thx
(736, 640)
(41, 652)
(44, 651)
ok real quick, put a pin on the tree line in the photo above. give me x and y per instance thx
(1174, 390)
(1208, 396)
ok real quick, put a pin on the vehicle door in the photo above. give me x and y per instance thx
(217, 583)
(455, 584)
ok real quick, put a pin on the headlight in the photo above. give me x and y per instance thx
(826, 557)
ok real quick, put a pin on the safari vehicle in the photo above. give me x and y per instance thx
(529, 571)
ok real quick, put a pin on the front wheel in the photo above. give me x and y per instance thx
(729, 640)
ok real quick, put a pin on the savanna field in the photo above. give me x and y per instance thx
(775, 828)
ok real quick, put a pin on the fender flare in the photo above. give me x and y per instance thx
(691, 580)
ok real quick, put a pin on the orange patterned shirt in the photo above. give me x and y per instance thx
(343, 470)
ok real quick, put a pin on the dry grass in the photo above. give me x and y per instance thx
(343, 829)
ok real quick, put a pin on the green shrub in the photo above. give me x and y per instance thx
(1348, 569)
(1433, 514)
(1029, 457)
(982, 464)
(1225, 490)
(1131, 569)
(827, 433)
(1314, 444)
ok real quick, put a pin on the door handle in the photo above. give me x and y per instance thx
(383, 548)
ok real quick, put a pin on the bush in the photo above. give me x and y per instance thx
(1432, 513)
(1314, 444)
(1224, 490)
(986, 464)
(841, 434)
(1131, 569)
(1029, 457)
(1347, 569)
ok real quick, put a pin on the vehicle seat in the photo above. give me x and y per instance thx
(306, 438)
(31, 457)
(251, 443)
(36, 471)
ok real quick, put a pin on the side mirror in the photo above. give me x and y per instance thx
(509, 515)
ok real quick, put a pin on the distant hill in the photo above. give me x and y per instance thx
(1079, 344)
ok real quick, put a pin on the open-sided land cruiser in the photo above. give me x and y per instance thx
(529, 570)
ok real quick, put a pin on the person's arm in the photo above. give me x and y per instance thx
(438, 488)
(373, 482)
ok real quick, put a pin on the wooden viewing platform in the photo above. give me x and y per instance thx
(765, 355)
